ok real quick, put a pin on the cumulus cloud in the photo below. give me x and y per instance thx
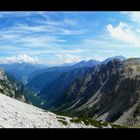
(123, 33)
(18, 59)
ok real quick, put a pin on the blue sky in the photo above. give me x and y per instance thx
(55, 38)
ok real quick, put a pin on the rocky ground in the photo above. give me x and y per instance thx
(16, 114)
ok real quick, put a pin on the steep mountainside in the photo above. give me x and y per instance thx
(54, 89)
(38, 79)
(9, 86)
(109, 92)
(48, 75)
(120, 57)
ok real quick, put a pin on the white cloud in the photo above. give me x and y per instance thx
(16, 14)
(95, 41)
(49, 21)
(50, 27)
(96, 57)
(31, 28)
(134, 16)
(60, 59)
(19, 59)
(36, 35)
(9, 36)
(67, 58)
(70, 21)
(37, 41)
(138, 30)
(102, 42)
(60, 23)
(106, 51)
(123, 33)
(70, 32)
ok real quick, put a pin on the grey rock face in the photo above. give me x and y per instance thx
(2, 75)
(10, 86)
(108, 92)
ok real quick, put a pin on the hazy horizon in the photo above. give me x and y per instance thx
(64, 64)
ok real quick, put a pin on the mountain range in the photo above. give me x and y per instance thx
(103, 90)
(21, 71)
(16, 114)
(49, 74)
(108, 92)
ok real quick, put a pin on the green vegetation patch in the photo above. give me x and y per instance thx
(138, 69)
(117, 126)
(30, 97)
(63, 122)
(62, 118)
(99, 124)
(89, 121)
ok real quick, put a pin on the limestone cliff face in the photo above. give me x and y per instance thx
(2, 75)
(10, 87)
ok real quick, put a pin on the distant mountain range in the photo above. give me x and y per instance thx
(89, 63)
(28, 71)
(21, 71)
(49, 74)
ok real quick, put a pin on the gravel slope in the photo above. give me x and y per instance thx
(16, 114)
